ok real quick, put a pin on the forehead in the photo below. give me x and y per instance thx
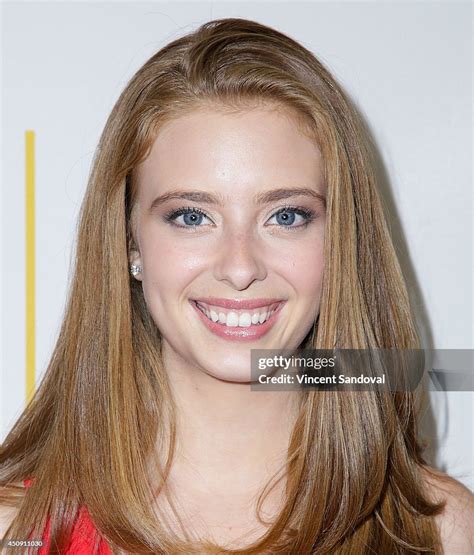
(232, 151)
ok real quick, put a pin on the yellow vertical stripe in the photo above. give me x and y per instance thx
(30, 262)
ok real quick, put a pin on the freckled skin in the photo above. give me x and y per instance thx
(238, 250)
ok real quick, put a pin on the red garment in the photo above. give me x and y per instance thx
(83, 539)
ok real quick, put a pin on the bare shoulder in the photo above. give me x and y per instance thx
(455, 523)
(7, 514)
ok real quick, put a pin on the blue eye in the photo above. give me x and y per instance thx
(287, 216)
(192, 217)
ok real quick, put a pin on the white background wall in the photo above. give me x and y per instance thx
(408, 66)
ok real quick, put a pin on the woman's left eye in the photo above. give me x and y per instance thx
(286, 217)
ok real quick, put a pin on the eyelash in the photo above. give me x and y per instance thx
(309, 216)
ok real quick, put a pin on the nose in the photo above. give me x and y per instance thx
(239, 261)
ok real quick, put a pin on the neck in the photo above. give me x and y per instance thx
(230, 439)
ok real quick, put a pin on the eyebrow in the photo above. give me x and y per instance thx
(218, 200)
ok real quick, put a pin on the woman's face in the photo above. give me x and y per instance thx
(229, 224)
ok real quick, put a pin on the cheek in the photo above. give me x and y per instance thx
(303, 267)
(168, 269)
(169, 265)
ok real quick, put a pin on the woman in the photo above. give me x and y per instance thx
(231, 206)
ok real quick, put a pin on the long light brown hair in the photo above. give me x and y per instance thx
(88, 436)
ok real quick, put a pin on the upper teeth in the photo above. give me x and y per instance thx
(237, 318)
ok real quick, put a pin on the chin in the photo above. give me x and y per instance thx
(232, 376)
(240, 375)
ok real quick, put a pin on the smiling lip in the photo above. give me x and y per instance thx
(234, 333)
(237, 304)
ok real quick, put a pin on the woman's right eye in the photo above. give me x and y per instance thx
(190, 217)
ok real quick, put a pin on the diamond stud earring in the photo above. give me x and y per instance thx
(135, 269)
